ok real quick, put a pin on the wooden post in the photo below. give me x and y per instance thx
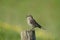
(28, 35)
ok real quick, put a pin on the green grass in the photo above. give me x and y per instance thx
(13, 35)
(13, 18)
(8, 34)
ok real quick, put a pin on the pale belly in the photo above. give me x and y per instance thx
(28, 21)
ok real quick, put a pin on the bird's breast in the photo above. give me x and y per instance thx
(29, 23)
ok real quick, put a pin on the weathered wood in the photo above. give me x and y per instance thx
(28, 35)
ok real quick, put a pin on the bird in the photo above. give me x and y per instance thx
(32, 22)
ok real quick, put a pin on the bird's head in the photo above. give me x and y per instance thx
(29, 17)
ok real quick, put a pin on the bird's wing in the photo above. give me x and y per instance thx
(35, 23)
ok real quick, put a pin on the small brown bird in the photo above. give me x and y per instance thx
(32, 22)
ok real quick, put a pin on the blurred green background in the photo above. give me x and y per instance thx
(13, 18)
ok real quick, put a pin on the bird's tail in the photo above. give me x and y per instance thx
(43, 28)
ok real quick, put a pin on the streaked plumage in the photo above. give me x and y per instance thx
(32, 22)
